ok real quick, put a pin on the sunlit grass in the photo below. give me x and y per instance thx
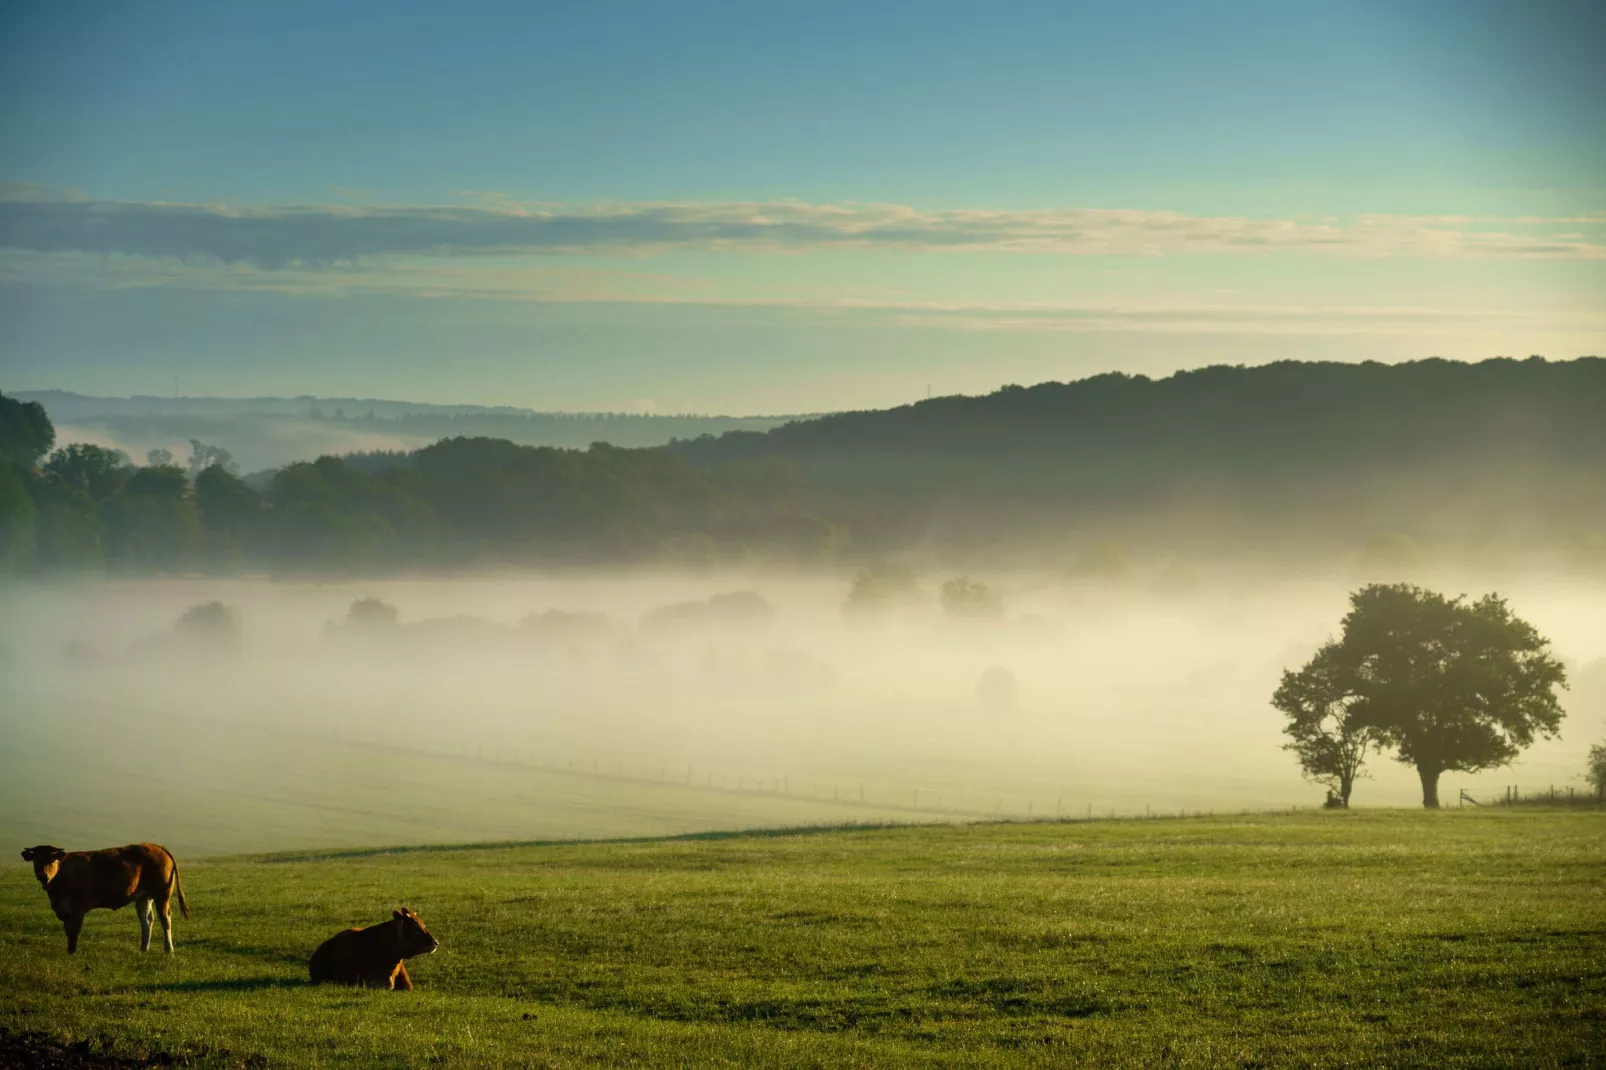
(1368, 938)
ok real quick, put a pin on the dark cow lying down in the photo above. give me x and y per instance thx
(372, 957)
(145, 874)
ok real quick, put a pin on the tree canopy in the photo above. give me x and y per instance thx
(26, 433)
(965, 597)
(97, 471)
(1324, 732)
(1448, 684)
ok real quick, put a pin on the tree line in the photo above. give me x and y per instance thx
(1301, 454)
(461, 501)
(1300, 459)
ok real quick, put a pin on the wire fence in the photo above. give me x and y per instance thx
(1516, 795)
(949, 802)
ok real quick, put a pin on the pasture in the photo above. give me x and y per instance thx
(1465, 938)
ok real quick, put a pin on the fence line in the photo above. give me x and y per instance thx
(1513, 795)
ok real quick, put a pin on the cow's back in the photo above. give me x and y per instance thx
(357, 956)
(337, 958)
(113, 877)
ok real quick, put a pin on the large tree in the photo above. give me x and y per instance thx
(95, 470)
(17, 513)
(152, 524)
(1452, 685)
(1323, 729)
(228, 510)
(26, 433)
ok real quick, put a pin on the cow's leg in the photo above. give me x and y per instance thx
(147, 916)
(164, 914)
(399, 981)
(73, 923)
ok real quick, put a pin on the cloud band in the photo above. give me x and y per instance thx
(323, 235)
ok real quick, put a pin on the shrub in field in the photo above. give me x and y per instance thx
(965, 597)
(1596, 774)
(209, 624)
(882, 589)
(996, 690)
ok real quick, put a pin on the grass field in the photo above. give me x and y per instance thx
(1467, 938)
(214, 789)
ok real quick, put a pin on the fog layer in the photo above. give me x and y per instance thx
(520, 708)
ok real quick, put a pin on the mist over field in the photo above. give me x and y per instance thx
(636, 703)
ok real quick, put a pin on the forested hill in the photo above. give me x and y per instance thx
(1433, 446)
(1323, 414)
(1498, 460)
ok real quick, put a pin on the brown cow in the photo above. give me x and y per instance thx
(372, 957)
(145, 874)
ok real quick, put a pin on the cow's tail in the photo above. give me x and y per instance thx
(177, 887)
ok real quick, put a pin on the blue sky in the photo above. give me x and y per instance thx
(760, 208)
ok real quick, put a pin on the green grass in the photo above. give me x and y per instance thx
(218, 788)
(1468, 938)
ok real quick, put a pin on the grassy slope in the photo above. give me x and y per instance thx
(1460, 938)
(219, 789)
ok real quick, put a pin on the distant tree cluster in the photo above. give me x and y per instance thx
(460, 501)
(84, 505)
(1448, 684)
(745, 609)
(1386, 466)
(965, 597)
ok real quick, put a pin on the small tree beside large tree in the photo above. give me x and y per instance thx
(1323, 729)
(1450, 685)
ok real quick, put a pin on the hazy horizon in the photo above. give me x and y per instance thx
(673, 213)
(1129, 699)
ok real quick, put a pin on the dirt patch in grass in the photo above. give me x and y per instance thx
(40, 1051)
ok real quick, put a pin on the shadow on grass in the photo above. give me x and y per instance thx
(236, 984)
(271, 954)
(685, 837)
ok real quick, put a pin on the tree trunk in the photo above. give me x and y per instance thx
(1345, 785)
(1430, 787)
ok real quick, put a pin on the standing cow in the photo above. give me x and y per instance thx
(145, 874)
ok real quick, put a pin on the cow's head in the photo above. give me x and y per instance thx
(411, 934)
(46, 860)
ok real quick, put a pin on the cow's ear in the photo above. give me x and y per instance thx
(27, 854)
(399, 915)
(57, 855)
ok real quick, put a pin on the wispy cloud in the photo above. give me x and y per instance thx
(583, 286)
(317, 236)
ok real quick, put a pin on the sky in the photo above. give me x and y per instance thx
(762, 208)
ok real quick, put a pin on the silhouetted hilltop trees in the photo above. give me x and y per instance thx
(1383, 465)
(268, 432)
(461, 501)
(1432, 447)
(26, 433)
